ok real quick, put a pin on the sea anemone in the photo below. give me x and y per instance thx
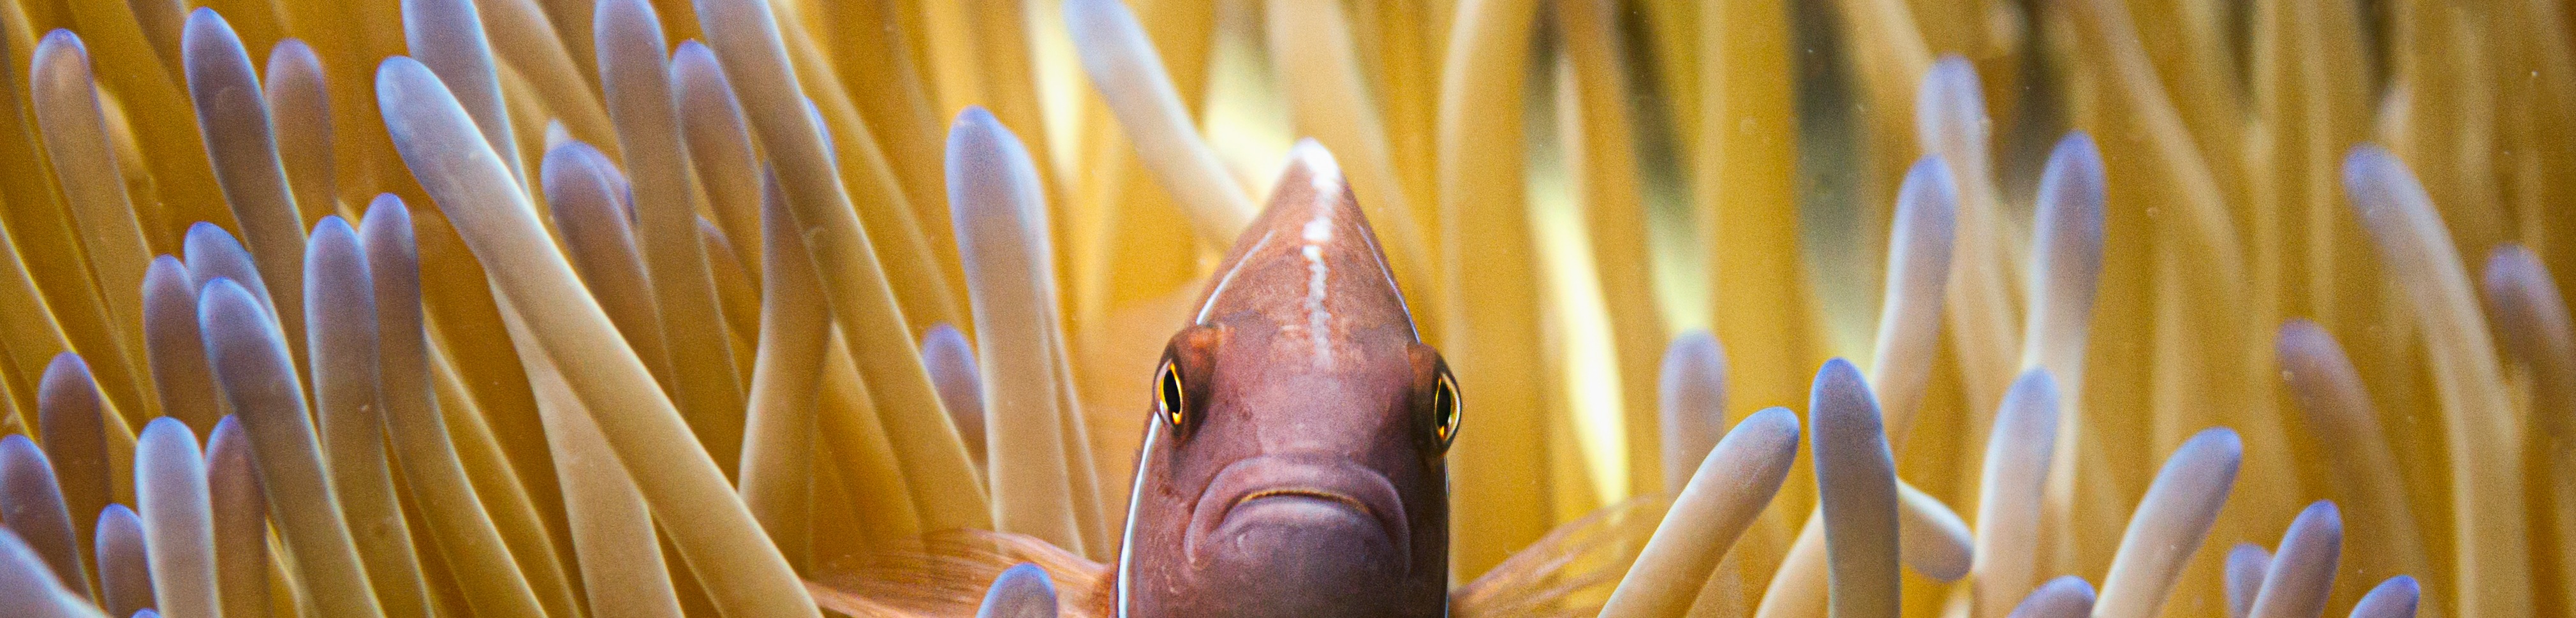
(776, 308)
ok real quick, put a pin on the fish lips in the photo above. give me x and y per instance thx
(1258, 508)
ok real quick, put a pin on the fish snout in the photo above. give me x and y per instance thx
(1319, 519)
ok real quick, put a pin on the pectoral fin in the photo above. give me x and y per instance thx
(1567, 573)
(949, 575)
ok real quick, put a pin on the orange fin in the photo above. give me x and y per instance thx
(946, 577)
(1570, 572)
(845, 603)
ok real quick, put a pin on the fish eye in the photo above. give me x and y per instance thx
(1445, 410)
(1170, 398)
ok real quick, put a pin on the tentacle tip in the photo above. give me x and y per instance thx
(167, 428)
(226, 429)
(165, 265)
(334, 225)
(2072, 581)
(2319, 518)
(2323, 510)
(556, 134)
(221, 295)
(1695, 353)
(1021, 591)
(208, 36)
(2367, 154)
(2299, 327)
(1695, 338)
(2071, 584)
(2221, 441)
(1838, 371)
(56, 41)
(1951, 99)
(2511, 270)
(944, 338)
(116, 512)
(1929, 172)
(2395, 597)
(2077, 143)
(618, 19)
(2300, 342)
(2077, 153)
(386, 204)
(289, 47)
(2511, 254)
(1025, 575)
(2369, 170)
(1929, 183)
(1838, 378)
(979, 143)
(67, 375)
(1780, 417)
(1079, 13)
(397, 77)
(975, 116)
(2402, 583)
(2035, 382)
(566, 157)
(2075, 172)
(386, 223)
(66, 365)
(206, 231)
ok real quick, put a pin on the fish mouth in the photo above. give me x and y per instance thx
(1259, 508)
(1301, 492)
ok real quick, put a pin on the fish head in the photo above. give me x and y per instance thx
(1294, 462)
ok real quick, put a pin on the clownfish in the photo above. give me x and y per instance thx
(1294, 465)
(1293, 461)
